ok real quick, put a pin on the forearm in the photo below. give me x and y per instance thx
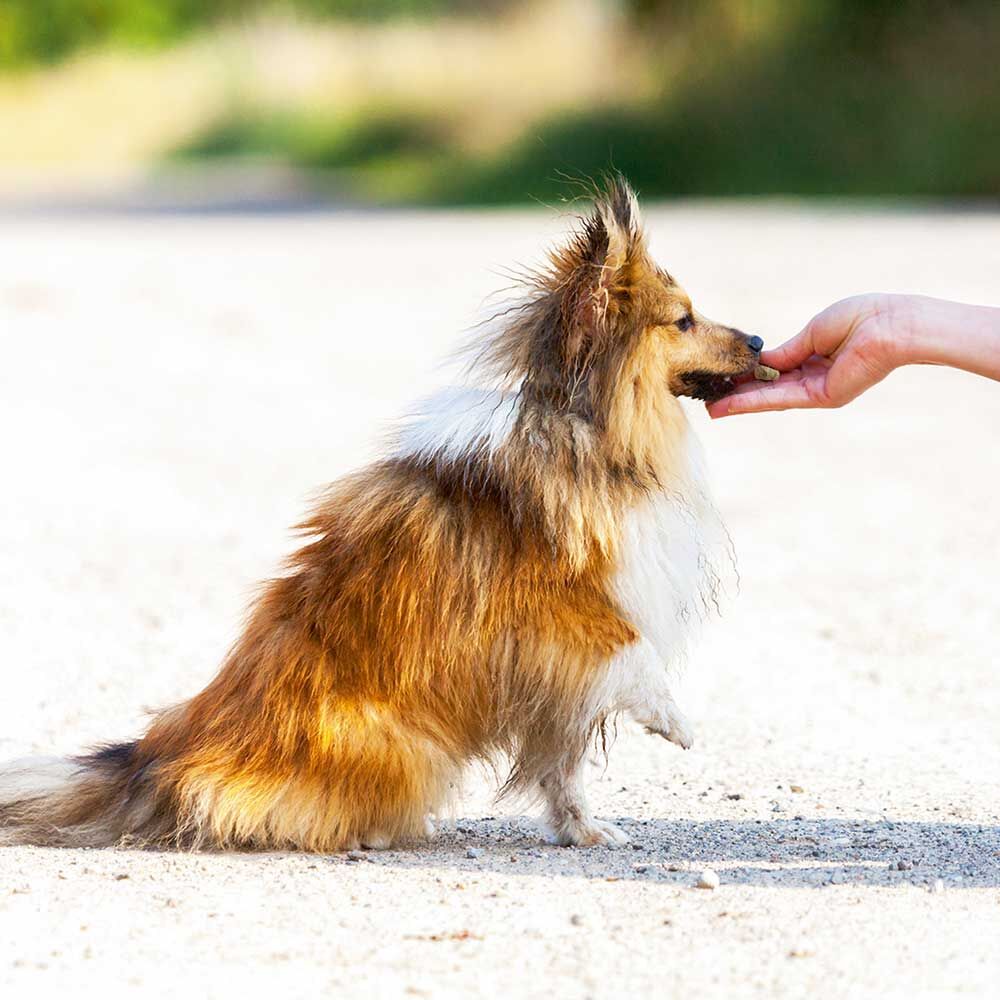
(963, 336)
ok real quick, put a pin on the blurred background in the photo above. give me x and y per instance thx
(464, 102)
(236, 236)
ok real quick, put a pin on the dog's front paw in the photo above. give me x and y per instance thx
(677, 730)
(680, 733)
(590, 832)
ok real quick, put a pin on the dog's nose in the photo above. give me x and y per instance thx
(755, 344)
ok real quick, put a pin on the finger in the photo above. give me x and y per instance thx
(747, 383)
(788, 395)
(822, 335)
(851, 376)
(784, 358)
(790, 354)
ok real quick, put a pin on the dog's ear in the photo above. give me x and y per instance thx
(599, 260)
(618, 210)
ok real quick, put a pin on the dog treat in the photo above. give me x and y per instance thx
(764, 374)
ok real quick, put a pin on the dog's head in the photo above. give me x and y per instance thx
(620, 306)
(606, 315)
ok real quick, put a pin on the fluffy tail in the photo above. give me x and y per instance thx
(89, 801)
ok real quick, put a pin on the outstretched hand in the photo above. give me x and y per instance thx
(839, 354)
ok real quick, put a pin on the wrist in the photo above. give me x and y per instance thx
(893, 327)
(938, 332)
(923, 329)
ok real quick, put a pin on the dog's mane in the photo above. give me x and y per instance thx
(587, 438)
(547, 336)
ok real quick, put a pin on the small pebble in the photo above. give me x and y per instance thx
(708, 879)
(798, 789)
(473, 852)
(764, 374)
(576, 920)
(904, 866)
(355, 856)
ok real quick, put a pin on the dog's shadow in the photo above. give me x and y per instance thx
(800, 853)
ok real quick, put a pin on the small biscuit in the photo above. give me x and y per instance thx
(764, 374)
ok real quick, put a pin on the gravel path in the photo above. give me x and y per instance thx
(173, 388)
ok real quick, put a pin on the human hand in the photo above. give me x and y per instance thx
(840, 353)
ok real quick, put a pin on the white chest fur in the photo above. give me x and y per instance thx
(672, 544)
(668, 577)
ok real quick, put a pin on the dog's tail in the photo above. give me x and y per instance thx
(90, 801)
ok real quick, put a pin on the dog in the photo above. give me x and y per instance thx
(526, 563)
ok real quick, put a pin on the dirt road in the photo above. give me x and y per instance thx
(172, 388)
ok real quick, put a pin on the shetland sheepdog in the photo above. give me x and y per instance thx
(525, 564)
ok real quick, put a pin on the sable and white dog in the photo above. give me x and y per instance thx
(523, 566)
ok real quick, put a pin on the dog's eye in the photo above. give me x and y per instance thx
(685, 323)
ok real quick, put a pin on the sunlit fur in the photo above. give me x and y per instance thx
(524, 564)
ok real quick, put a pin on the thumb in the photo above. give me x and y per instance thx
(822, 336)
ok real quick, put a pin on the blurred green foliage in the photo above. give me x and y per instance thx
(848, 97)
(33, 31)
(362, 139)
(42, 30)
(838, 97)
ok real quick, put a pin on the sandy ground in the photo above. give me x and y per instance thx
(172, 389)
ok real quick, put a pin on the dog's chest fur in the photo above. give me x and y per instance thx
(667, 576)
(669, 545)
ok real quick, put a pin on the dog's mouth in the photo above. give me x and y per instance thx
(707, 386)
